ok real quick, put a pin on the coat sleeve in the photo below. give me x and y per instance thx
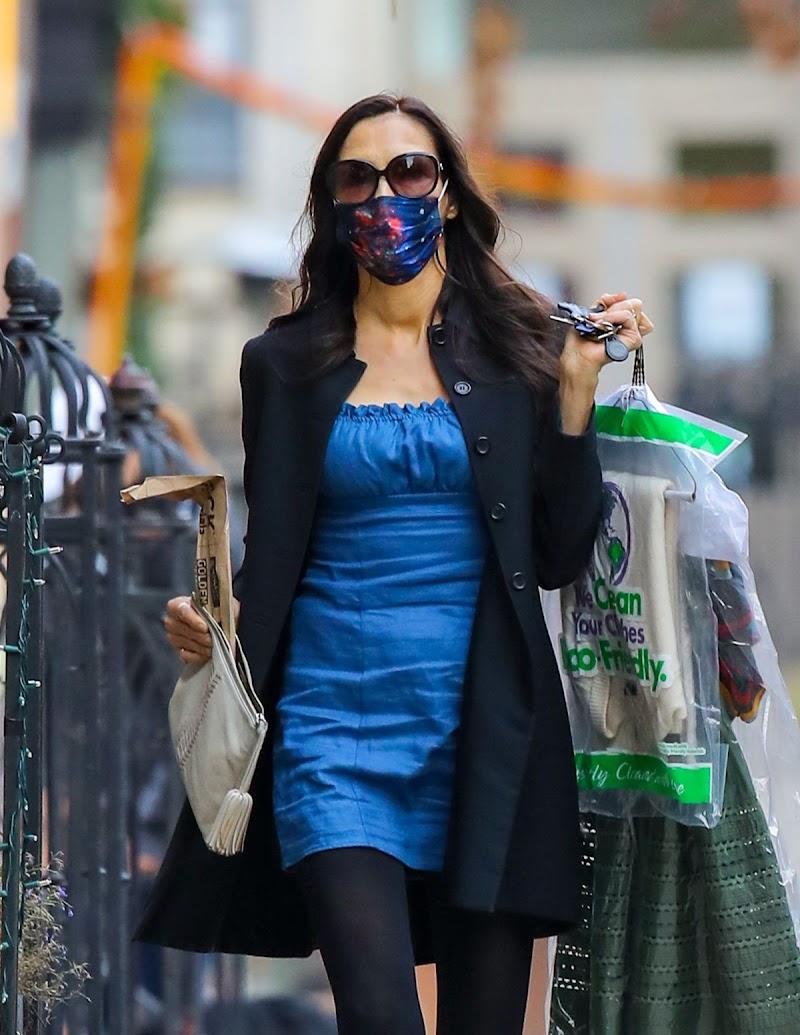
(567, 502)
(252, 385)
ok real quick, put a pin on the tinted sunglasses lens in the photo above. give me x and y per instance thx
(413, 176)
(352, 182)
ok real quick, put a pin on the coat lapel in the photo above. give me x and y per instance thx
(293, 440)
(319, 399)
(497, 417)
(327, 395)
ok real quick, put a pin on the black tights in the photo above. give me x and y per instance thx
(357, 900)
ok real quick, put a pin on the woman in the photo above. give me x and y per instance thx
(419, 457)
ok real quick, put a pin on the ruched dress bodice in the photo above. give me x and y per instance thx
(380, 628)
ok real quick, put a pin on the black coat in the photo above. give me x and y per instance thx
(513, 841)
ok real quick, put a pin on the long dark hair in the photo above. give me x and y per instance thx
(511, 319)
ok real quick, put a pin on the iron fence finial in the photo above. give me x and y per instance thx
(21, 282)
(48, 301)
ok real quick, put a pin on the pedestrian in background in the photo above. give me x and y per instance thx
(419, 459)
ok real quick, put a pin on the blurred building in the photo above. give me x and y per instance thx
(687, 96)
(238, 178)
(637, 90)
(14, 93)
(70, 62)
(640, 92)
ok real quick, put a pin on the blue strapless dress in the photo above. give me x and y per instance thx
(380, 628)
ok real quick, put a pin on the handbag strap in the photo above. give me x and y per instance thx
(241, 659)
(217, 632)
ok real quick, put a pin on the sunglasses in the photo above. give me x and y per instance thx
(413, 175)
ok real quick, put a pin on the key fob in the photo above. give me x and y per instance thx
(577, 316)
(616, 350)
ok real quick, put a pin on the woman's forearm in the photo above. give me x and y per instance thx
(575, 404)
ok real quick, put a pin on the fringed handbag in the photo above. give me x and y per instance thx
(218, 728)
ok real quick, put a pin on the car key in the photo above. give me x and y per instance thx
(578, 317)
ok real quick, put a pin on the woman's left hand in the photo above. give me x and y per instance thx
(582, 359)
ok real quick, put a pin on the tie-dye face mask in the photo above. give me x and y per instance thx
(393, 238)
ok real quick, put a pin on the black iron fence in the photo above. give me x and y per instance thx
(24, 446)
(88, 767)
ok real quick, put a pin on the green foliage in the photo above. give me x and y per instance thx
(173, 12)
(139, 341)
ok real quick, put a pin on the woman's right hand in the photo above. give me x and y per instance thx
(187, 631)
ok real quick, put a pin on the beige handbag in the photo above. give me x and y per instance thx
(218, 728)
(215, 717)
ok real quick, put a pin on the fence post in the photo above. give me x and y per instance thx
(21, 455)
(15, 762)
(116, 725)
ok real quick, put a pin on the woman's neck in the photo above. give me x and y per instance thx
(402, 308)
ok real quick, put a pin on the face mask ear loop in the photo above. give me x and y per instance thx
(439, 203)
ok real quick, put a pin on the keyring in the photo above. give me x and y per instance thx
(577, 316)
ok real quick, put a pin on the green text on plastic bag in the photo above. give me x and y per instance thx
(659, 427)
(614, 771)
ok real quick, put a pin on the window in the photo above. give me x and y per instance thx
(726, 311)
(589, 26)
(729, 321)
(727, 158)
(201, 139)
(440, 37)
(201, 131)
(701, 160)
(550, 158)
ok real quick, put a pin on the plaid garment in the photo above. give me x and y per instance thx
(740, 682)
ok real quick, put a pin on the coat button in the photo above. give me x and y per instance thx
(437, 334)
(482, 445)
(498, 511)
(462, 387)
(518, 580)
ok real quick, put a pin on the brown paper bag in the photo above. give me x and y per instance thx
(213, 583)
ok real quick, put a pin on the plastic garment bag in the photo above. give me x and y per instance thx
(691, 910)
(637, 630)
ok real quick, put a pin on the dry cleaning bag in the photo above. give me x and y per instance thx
(687, 751)
(638, 632)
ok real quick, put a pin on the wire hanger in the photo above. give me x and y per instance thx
(638, 381)
(687, 495)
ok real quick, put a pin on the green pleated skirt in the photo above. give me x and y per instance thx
(686, 931)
